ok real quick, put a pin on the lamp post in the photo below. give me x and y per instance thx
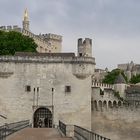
(37, 95)
(34, 98)
(52, 107)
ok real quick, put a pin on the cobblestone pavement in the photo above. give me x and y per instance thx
(38, 134)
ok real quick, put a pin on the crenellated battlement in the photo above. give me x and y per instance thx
(11, 28)
(52, 36)
(102, 85)
(87, 41)
(85, 47)
(30, 34)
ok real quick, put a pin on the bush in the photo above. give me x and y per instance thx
(135, 79)
(11, 42)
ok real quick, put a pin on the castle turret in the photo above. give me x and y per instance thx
(120, 85)
(85, 47)
(25, 22)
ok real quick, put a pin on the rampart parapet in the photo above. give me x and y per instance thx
(52, 36)
(47, 58)
(11, 28)
(84, 47)
(112, 105)
(102, 85)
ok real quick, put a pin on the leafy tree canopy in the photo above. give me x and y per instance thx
(111, 76)
(11, 42)
(135, 79)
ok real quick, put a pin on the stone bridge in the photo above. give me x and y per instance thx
(22, 131)
(38, 134)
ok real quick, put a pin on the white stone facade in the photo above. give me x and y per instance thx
(45, 73)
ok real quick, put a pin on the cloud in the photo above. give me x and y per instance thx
(112, 24)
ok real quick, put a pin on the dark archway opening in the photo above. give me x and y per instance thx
(42, 118)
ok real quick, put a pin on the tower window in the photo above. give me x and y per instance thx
(67, 88)
(101, 92)
(28, 88)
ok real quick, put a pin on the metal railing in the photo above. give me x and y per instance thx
(9, 129)
(83, 134)
(62, 127)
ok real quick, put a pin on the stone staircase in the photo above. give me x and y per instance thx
(38, 134)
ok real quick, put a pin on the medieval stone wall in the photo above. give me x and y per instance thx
(112, 119)
(44, 73)
(117, 123)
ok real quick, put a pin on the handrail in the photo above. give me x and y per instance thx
(62, 127)
(9, 129)
(83, 134)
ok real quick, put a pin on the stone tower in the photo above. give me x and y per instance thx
(85, 47)
(120, 85)
(25, 22)
(128, 72)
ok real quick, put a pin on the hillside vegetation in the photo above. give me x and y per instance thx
(111, 76)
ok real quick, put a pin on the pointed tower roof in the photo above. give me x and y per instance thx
(120, 79)
(128, 67)
(26, 15)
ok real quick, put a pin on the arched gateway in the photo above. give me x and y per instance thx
(42, 118)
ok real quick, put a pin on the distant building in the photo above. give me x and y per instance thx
(130, 69)
(100, 74)
(133, 95)
(47, 43)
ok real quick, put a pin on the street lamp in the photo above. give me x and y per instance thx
(52, 107)
(37, 95)
(34, 98)
(36, 90)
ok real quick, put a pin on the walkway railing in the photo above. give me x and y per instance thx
(83, 134)
(80, 133)
(62, 127)
(9, 129)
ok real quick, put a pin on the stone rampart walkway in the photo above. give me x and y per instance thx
(38, 134)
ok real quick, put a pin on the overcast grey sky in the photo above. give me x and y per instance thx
(114, 25)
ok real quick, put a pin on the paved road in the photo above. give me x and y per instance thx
(38, 134)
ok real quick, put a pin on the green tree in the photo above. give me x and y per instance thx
(135, 79)
(111, 76)
(11, 42)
